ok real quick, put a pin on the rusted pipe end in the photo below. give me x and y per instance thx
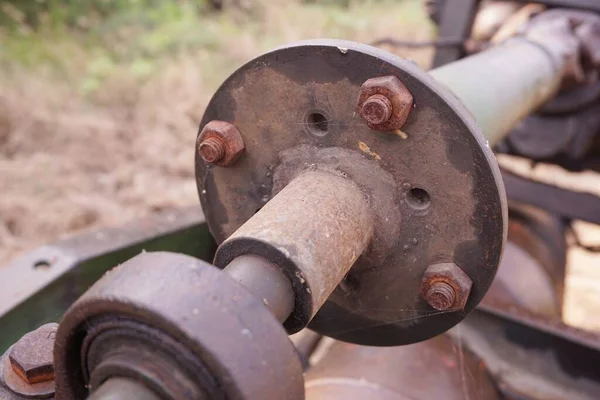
(440, 296)
(212, 150)
(377, 109)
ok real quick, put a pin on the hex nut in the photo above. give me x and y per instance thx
(220, 143)
(31, 358)
(395, 92)
(445, 281)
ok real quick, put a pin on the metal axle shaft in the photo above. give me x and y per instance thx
(503, 85)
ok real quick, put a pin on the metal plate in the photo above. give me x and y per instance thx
(440, 150)
(39, 286)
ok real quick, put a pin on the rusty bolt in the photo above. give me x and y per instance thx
(384, 103)
(445, 286)
(377, 109)
(31, 357)
(212, 149)
(220, 143)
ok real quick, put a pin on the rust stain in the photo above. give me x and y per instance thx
(367, 150)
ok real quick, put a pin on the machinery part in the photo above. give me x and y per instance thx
(513, 24)
(266, 281)
(123, 388)
(531, 356)
(430, 191)
(180, 333)
(220, 143)
(328, 228)
(543, 137)
(556, 200)
(535, 255)
(577, 33)
(436, 371)
(519, 76)
(306, 341)
(27, 368)
(384, 102)
(31, 356)
(40, 286)
(445, 286)
(455, 20)
(572, 100)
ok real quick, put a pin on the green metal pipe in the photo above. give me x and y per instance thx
(504, 84)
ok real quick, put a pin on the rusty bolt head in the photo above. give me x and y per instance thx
(446, 287)
(377, 109)
(31, 357)
(384, 103)
(220, 143)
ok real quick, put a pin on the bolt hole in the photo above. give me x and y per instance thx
(41, 264)
(318, 123)
(418, 199)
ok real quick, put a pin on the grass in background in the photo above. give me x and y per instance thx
(99, 107)
(87, 45)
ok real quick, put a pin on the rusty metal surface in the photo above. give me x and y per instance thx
(31, 357)
(220, 143)
(18, 388)
(384, 102)
(445, 286)
(183, 314)
(434, 369)
(31, 296)
(439, 175)
(314, 229)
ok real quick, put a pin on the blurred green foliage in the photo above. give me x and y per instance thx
(89, 42)
(81, 14)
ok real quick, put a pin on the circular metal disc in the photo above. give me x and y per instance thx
(447, 185)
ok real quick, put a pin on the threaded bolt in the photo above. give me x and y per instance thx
(377, 109)
(440, 296)
(212, 149)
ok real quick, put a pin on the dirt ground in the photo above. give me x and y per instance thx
(69, 162)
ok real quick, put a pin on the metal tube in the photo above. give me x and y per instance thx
(504, 84)
(266, 281)
(314, 229)
(123, 389)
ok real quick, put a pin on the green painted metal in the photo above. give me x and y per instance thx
(503, 85)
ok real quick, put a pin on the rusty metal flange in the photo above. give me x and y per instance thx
(443, 180)
(180, 326)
